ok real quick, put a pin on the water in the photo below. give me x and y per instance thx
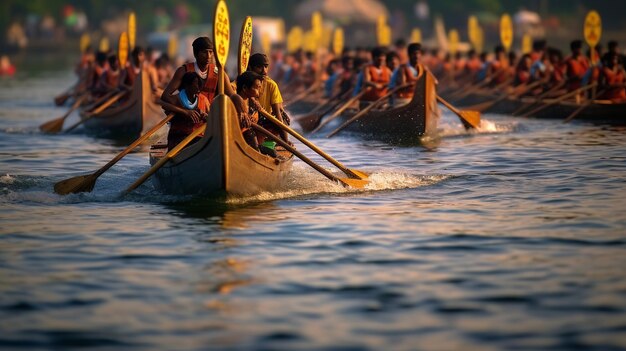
(511, 238)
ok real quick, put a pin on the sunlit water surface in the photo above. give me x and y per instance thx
(513, 237)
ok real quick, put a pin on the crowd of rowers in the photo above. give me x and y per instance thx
(371, 74)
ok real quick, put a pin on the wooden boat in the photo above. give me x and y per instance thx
(403, 125)
(598, 112)
(221, 162)
(129, 119)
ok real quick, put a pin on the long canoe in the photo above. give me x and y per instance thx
(221, 162)
(598, 111)
(129, 119)
(404, 125)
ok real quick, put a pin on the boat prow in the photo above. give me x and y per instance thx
(221, 162)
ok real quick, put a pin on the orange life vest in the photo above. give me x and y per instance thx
(209, 88)
(617, 78)
(377, 76)
(576, 69)
(411, 75)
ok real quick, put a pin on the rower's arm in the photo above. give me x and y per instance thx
(230, 92)
(172, 86)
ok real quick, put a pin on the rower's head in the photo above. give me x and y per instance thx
(138, 56)
(613, 46)
(259, 64)
(576, 46)
(414, 50)
(392, 60)
(378, 56)
(249, 84)
(101, 58)
(190, 82)
(114, 63)
(203, 51)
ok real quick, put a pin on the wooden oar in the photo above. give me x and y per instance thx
(85, 183)
(581, 108)
(303, 94)
(338, 112)
(367, 109)
(562, 98)
(313, 120)
(56, 125)
(314, 114)
(470, 119)
(349, 172)
(100, 100)
(488, 104)
(538, 98)
(348, 182)
(99, 109)
(170, 154)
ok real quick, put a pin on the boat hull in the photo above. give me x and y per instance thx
(221, 162)
(131, 118)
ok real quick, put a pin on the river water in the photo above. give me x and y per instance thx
(510, 238)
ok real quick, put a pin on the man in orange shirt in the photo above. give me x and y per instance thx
(376, 76)
(576, 66)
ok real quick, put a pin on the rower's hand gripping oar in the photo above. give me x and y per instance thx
(85, 183)
(353, 173)
(56, 125)
(348, 182)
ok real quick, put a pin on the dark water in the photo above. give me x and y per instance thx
(512, 238)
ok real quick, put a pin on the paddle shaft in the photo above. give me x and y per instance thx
(539, 97)
(97, 110)
(507, 96)
(368, 108)
(136, 143)
(562, 98)
(291, 149)
(295, 134)
(165, 159)
(56, 125)
(580, 109)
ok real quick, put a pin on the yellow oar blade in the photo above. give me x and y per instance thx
(79, 184)
(354, 183)
(471, 118)
(358, 174)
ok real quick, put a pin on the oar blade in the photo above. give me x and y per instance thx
(471, 119)
(53, 127)
(354, 183)
(79, 184)
(358, 174)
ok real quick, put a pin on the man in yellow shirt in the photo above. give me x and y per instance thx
(270, 100)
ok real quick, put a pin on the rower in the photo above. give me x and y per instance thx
(190, 107)
(205, 67)
(271, 99)
(376, 76)
(576, 66)
(407, 73)
(499, 68)
(110, 79)
(613, 76)
(133, 67)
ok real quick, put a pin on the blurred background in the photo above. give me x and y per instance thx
(57, 25)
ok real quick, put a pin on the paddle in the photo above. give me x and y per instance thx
(353, 173)
(338, 112)
(303, 94)
(538, 98)
(470, 119)
(488, 104)
(562, 98)
(85, 183)
(56, 125)
(314, 114)
(367, 109)
(170, 154)
(99, 109)
(354, 183)
(313, 119)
